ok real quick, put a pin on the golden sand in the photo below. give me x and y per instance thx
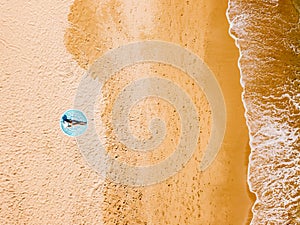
(216, 196)
(46, 47)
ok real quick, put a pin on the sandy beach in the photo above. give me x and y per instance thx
(47, 48)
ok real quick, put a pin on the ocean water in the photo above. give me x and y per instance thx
(267, 34)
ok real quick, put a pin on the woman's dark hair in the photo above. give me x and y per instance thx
(66, 119)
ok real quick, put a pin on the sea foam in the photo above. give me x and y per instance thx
(267, 35)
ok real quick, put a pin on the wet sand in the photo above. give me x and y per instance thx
(46, 48)
(271, 103)
(218, 195)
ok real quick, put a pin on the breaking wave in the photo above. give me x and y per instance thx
(267, 35)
